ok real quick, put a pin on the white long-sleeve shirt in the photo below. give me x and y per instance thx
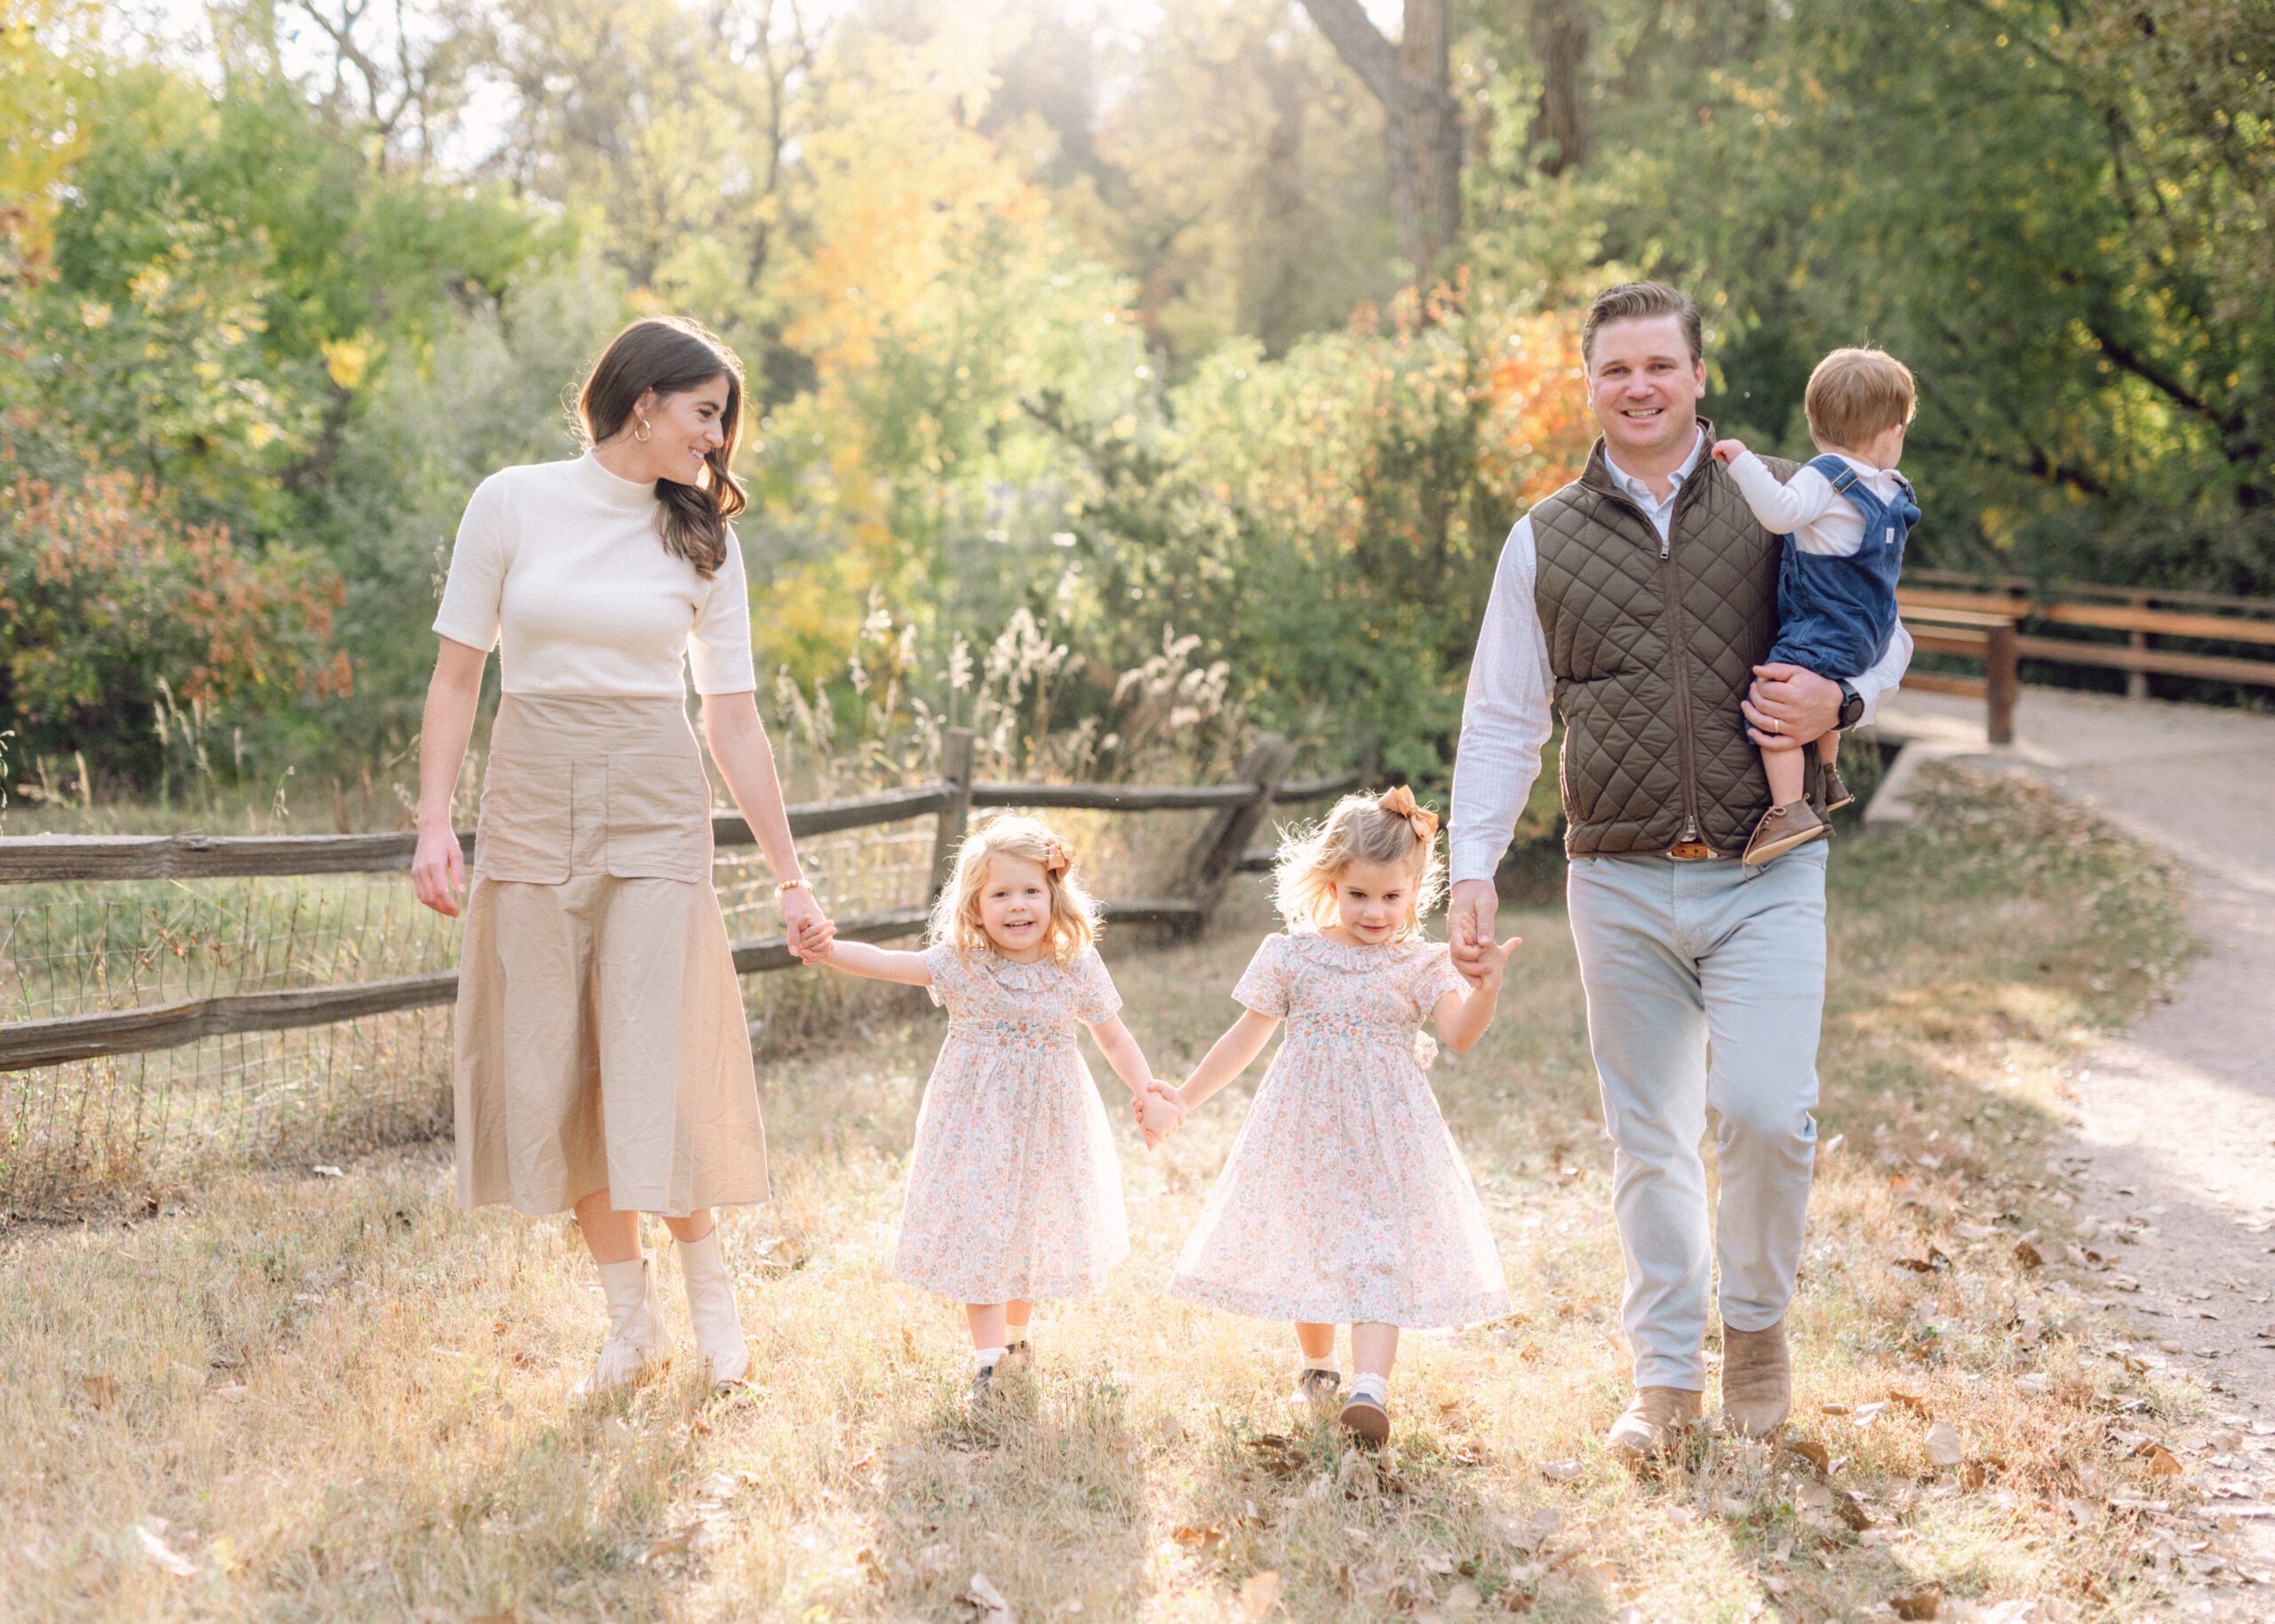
(1506, 717)
(1820, 519)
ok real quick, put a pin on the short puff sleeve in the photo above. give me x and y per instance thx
(1434, 975)
(951, 976)
(1095, 996)
(476, 585)
(1263, 986)
(718, 644)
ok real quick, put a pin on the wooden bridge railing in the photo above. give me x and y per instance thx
(1237, 811)
(2003, 620)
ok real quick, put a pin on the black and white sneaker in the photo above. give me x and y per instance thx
(981, 1396)
(1017, 1357)
(1367, 1420)
(1316, 1388)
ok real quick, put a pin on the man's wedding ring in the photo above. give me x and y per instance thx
(1776, 726)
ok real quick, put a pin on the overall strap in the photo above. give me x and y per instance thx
(1848, 483)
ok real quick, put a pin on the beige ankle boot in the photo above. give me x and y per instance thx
(1654, 1423)
(636, 1337)
(1757, 1380)
(711, 1306)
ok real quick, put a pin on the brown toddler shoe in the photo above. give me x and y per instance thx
(1654, 1422)
(1780, 830)
(1836, 791)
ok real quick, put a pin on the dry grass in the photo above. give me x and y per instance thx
(349, 1401)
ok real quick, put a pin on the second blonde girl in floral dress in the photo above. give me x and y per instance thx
(1014, 1189)
(1345, 1199)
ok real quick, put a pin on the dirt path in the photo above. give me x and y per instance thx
(2175, 1138)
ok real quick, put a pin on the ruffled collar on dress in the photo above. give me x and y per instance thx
(1345, 955)
(1037, 977)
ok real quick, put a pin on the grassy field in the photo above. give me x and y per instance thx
(337, 1398)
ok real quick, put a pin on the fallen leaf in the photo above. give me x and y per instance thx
(325, 1170)
(2162, 1463)
(1909, 1401)
(1926, 1603)
(1943, 1446)
(1561, 1471)
(150, 1534)
(982, 1594)
(908, 1348)
(101, 1391)
(1201, 1541)
(673, 1544)
(871, 1569)
(1810, 1452)
(782, 1252)
(1865, 1414)
(2028, 1255)
(1260, 1595)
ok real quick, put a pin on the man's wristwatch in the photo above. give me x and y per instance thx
(1852, 706)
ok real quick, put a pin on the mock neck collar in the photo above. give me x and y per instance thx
(610, 489)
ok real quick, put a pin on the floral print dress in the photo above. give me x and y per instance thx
(1345, 1199)
(1014, 1189)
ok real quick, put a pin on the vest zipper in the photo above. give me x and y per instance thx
(1679, 637)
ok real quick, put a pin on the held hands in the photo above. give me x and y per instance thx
(807, 929)
(438, 870)
(1728, 451)
(1160, 1111)
(1469, 928)
(1492, 962)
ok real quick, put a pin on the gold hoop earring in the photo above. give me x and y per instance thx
(642, 431)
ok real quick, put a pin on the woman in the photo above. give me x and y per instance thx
(603, 1064)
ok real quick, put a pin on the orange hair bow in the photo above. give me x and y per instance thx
(1058, 859)
(1400, 803)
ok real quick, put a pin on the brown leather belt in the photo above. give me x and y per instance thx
(1691, 851)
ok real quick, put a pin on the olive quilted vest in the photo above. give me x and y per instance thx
(1653, 644)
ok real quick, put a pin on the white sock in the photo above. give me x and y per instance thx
(1013, 1336)
(1370, 1387)
(1325, 1361)
(986, 1359)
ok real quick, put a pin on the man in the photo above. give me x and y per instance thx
(1637, 599)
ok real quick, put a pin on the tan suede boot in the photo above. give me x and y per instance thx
(1757, 1380)
(1655, 1422)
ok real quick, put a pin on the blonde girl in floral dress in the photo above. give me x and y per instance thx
(1345, 1200)
(1014, 1190)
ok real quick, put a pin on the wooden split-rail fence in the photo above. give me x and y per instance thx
(2004, 620)
(1236, 812)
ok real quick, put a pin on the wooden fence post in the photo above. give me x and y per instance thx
(2136, 682)
(1216, 853)
(2001, 682)
(955, 769)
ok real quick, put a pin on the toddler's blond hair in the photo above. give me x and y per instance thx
(1856, 394)
(1073, 910)
(1388, 828)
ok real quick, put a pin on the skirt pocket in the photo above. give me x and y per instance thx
(523, 832)
(659, 819)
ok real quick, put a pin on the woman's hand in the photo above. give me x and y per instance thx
(438, 870)
(805, 926)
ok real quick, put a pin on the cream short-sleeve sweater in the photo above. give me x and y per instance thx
(562, 565)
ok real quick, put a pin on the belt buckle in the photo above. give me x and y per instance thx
(1690, 851)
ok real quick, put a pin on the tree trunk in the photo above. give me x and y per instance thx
(1559, 137)
(1421, 121)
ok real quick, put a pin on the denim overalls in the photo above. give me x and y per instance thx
(1835, 615)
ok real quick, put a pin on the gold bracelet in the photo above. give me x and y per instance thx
(800, 884)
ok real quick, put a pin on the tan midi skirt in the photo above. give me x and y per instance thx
(600, 1043)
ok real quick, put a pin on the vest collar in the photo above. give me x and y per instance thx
(1597, 474)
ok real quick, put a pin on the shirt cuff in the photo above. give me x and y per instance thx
(1474, 859)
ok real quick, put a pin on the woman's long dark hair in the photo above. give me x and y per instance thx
(671, 354)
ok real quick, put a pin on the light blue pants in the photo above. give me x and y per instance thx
(1705, 988)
